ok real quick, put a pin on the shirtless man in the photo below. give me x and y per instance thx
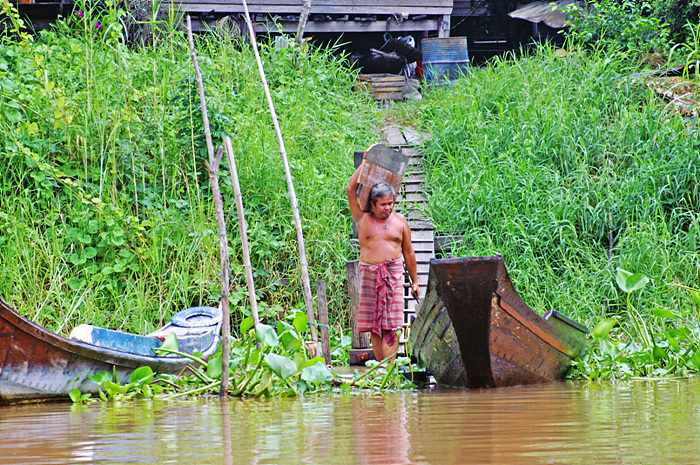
(384, 238)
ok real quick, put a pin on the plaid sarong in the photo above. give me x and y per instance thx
(381, 299)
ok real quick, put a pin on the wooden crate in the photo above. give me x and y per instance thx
(382, 86)
(383, 164)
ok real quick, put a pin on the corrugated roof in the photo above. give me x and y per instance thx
(550, 13)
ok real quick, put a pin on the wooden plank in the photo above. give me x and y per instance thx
(360, 356)
(423, 247)
(316, 9)
(393, 136)
(359, 340)
(421, 226)
(416, 197)
(413, 137)
(316, 27)
(422, 235)
(539, 332)
(411, 151)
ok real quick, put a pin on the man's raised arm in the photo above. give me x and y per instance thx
(352, 194)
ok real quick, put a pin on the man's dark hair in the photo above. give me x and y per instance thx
(381, 190)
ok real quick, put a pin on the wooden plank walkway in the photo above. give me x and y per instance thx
(412, 202)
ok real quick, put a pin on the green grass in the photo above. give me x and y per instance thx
(105, 203)
(569, 170)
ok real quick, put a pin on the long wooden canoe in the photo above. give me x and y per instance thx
(38, 365)
(473, 330)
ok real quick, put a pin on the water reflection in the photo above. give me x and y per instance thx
(558, 423)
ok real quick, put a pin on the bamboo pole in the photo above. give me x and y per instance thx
(308, 298)
(244, 230)
(303, 18)
(213, 167)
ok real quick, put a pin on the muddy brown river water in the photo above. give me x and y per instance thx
(635, 422)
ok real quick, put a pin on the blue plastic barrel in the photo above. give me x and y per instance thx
(444, 59)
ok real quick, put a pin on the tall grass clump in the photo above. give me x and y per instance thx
(569, 170)
(105, 206)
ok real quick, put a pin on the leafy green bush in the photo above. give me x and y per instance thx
(630, 25)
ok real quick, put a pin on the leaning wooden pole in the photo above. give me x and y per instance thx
(308, 297)
(243, 229)
(213, 167)
(303, 18)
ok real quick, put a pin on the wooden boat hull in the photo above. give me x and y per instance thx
(38, 365)
(473, 329)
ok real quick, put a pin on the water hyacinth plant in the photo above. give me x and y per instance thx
(266, 362)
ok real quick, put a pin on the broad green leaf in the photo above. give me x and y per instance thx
(673, 343)
(234, 362)
(608, 349)
(214, 367)
(291, 340)
(629, 282)
(142, 375)
(621, 278)
(113, 388)
(76, 396)
(255, 357)
(170, 342)
(317, 373)
(146, 392)
(89, 252)
(283, 326)
(694, 361)
(101, 377)
(301, 322)
(301, 360)
(246, 324)
(280, 365)
(664, 313)
(266, 335)
(678, 333)
(603, 328)
(314, 361)
(300, 386)
(659, 353)
(264, 385)
(696, 296)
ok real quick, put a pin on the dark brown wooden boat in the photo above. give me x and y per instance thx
(38, 365)
(473, 330)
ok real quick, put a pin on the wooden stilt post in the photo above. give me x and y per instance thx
(323, 321)
(213, 167)
(360, 350)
